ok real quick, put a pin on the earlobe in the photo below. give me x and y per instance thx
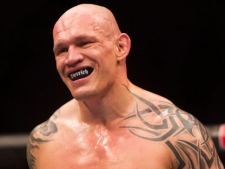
(123, 46)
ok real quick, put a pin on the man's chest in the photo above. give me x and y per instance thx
(103, 153)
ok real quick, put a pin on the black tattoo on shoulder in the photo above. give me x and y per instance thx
(43, 132)
(197, 152)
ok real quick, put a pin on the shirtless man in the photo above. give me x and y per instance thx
(110, 123)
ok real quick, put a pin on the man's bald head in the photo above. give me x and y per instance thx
(99, 15)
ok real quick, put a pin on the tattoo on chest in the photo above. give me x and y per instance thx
(197, 152)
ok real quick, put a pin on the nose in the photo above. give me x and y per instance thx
(73, 56)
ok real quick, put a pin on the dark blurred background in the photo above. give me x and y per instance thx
(177, 52)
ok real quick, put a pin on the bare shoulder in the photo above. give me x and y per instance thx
(49, 127)
(46, 132)
(160, 121)
(42, 133)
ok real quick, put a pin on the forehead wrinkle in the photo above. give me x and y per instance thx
(91, 24)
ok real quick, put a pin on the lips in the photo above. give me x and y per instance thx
(81, 73)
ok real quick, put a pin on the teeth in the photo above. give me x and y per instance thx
(80, 73)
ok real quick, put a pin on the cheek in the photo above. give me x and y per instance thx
(108, 60)
(59, 65)
(110, 66)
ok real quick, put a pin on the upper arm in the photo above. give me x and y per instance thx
(192, 145)
(189, 142)
(33, 147)
(37, 139)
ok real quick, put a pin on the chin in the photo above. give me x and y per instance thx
(81, 96)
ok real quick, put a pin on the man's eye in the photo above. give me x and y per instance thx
(62, 50)
(84, 43)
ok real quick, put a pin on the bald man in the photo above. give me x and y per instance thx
(110, 123)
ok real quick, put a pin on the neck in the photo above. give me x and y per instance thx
(112, 107)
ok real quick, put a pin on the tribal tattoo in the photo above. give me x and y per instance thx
(195, 154)
(45, 129)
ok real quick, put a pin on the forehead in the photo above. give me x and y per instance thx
(73, 25)
(80, 23)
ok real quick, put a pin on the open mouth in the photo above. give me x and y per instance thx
(81, 73)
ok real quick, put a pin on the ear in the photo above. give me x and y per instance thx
(123, 46)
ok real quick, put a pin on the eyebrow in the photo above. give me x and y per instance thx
(57, 46)
(75, 40)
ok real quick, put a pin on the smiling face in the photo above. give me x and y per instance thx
(86, 51)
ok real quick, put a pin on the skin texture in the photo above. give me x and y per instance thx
(111, 123)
